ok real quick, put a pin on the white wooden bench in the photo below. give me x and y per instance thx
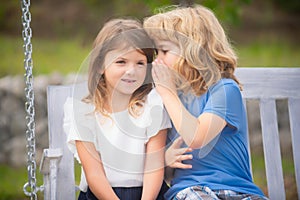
(263, 84)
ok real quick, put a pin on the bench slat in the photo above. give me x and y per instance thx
(248, 138)
(294, 111)
(57, 139)
(269, 82)
(263, 84)
(271, 146)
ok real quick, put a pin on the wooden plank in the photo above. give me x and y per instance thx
(294, 113)
(49, 154)
(65, 179)
(266, 84)
(271, 146)
(269, 82)
(48, 167)
(248, 139)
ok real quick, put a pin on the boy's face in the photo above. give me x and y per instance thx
(168, 52)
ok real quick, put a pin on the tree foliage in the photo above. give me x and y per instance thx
(226, 10)
(289, 6)
(56, 17)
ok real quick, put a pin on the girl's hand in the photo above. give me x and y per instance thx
(175, 155)
(163, 78)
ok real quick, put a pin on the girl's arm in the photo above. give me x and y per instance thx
(154, 165)
(94, 171)
(196, 132)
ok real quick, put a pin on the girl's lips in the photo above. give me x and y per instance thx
(128, 80)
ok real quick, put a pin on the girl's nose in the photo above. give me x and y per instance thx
(130, 69)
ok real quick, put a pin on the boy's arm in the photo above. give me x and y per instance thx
(94, 171)
(154, 166)
(195, 131)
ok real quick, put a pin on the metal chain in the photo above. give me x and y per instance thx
(30, 188)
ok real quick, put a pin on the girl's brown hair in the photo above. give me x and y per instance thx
(118, 34)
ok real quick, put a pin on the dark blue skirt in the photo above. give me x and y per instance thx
(124, 193)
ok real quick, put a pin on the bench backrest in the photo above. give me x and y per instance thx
(263, 84)
(268, 85)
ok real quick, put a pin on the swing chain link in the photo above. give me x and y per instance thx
(29, 188)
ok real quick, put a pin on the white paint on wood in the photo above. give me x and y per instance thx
(264, 84)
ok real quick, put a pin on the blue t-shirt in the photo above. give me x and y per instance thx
(224, 162)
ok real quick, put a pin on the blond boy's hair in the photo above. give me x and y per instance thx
(206, 54)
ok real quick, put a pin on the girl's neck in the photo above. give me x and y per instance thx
(117, 103)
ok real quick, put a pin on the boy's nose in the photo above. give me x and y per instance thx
(160, 55)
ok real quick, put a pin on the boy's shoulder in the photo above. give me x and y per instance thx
(224, 83)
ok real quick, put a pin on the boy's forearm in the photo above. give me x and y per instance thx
(185, 123)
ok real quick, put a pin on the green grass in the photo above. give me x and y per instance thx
(259, 174)
(269, 54)
(57, 55)
(13, 179)
(66, 55)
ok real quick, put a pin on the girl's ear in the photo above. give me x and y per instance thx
(100, 71)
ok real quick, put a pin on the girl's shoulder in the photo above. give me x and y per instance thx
(153, 107)
(154, 98)
(78, 107)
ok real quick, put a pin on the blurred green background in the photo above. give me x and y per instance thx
(263, 33)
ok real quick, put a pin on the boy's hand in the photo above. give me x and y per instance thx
(175, 155)
(163, 78)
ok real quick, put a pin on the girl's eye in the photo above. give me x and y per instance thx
(120, 62)
(141, 63)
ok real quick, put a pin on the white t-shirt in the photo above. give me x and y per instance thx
(120, 139)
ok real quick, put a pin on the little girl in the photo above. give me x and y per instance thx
(118, 132)
(194, 74)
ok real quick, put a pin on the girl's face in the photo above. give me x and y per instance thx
(125, 71)
(168, 52)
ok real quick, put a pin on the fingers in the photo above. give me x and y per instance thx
(178, 163)
(158, 71)
(155, 74)
(177, 143)
(181, 165)
(157, 62)
(176, 147)
(181, 152)
(163, 78)
(185, 157)
(175, 155)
